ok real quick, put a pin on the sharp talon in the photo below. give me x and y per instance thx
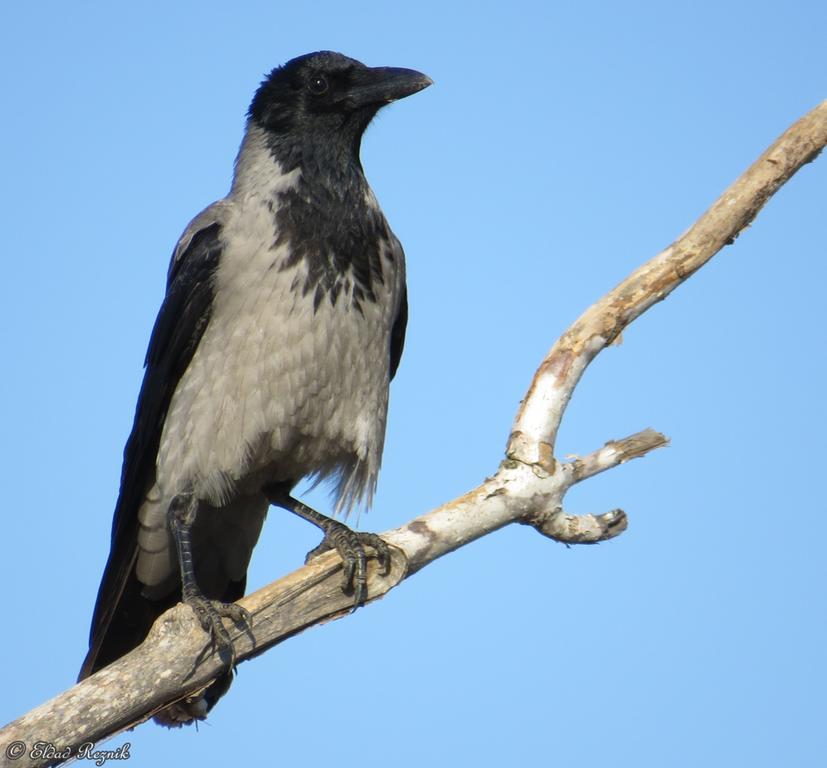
(238, 614)
(383, 553)
(210, 614)
(361, 594)
(351, 548)
(348, 569)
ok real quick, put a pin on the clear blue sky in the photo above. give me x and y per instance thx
(561, 145)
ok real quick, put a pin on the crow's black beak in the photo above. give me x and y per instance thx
(382, 85)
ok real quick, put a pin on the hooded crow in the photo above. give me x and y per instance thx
(282, 326)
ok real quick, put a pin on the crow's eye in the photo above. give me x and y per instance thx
(317, 85)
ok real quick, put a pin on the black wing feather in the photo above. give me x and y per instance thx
(398, 332)
(122, 616)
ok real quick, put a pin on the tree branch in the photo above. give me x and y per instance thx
(528, 487)
(614, 453)
(535, 429)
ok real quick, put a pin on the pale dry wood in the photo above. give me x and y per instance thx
(535, 429)
(528, 487)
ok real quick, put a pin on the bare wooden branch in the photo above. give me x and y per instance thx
(535, 428)
(528, 487)
(580, 529)
(616, 452)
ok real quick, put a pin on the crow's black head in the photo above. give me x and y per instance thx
(312, 113)
(328, 94)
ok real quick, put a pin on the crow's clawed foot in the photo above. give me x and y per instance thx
(351, 545)
(210, 614)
